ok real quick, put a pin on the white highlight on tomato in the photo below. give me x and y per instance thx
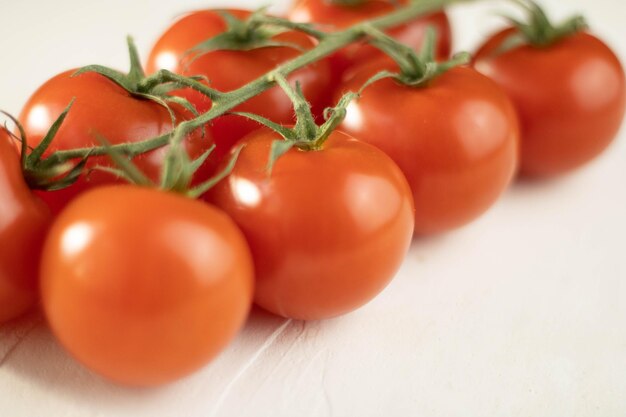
(364, 194)
(301, 16)
(481, 126)
(76, 238)
(589, 83)
(354, 116)
(167, 61)
(39, 118)
(247, 193)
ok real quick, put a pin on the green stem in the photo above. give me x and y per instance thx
(165, 76)
(306, 127)
(306, 28)
(128, 149)
(228, 101)
(351, 3)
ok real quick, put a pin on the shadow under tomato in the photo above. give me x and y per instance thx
(41, 361)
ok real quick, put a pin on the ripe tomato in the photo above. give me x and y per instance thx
(455, 139)
(570, 98)
(140, 296)
(101, 107)
(342, 16)
(229, 70)
(23, 224)
(328, 229)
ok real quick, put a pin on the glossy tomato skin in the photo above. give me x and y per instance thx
(142, 286)
(328, 229)
(570, 98)
(340, 17)
(100, 107)
(229, 70)
(455, 139)
(24, 220)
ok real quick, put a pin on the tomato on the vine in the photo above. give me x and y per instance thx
(101, 107)
(328, 229)
(336, 15)
(228, 70)
(144, 286)
(455, 138)
(24, 221)
(570, 97)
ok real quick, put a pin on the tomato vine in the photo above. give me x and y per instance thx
(154, 87)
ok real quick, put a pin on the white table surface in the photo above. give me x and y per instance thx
(520, 314)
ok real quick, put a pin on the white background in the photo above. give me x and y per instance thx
(520, 314)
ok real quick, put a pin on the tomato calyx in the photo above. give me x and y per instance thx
(178, 168)
(415, 69)
(46, 173)
(155, 87)
(257, 31)
(306, 135)
(538, 30)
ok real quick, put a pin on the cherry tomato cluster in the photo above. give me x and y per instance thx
(145, 285)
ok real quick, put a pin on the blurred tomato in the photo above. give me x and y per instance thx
(455, 139)
(570, 97)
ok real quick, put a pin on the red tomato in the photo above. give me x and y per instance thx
(23, 224)
(455, 139)
(328, 229)
(143, 286)
(570, 98)
(101, 107)
(342, 16)
(229, 70)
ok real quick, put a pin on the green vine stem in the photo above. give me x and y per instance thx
(225, 102)
(351, 3)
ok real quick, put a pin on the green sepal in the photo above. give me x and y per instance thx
(255, 32)
(125, 167)
(117, 77)
(35, 156)
(46, 173)
(197, 163)
(24, 148)
(199, 190)
(306, 28)
(227, 42)
(58, 178)
(511, 42)
(415, 69)
(278, 149)
(186, 104)
(306, 135)
(334, 116)
(136, 73)
(177, 172)
(538, 30)
(283, 131)
(161, 101)
(139, 86)
(182, 102)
